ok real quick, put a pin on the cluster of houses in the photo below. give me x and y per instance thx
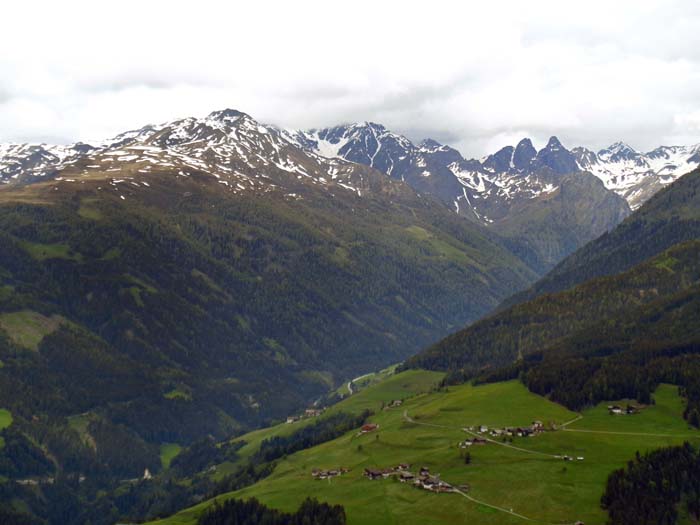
(535, 428)
(423, 479)
(309, 412)
(617, 410)
(327, 474)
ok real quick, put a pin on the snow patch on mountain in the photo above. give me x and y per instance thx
(228, 145)
(637, 176)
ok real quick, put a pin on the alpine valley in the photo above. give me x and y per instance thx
(170, 296)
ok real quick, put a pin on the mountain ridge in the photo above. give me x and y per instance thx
(669, 217)
(507, 191)
(633, 175)
(207, 277)
(654, 169)
(651, 258)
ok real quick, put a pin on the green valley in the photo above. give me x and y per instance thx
(511, 482)
(424, 282)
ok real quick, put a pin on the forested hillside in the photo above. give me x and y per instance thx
(623, 306)
(669, 217)
(660, 487)
(140, 307)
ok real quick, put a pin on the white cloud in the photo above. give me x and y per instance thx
(476, 74)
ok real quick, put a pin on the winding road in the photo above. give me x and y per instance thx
(357, 379)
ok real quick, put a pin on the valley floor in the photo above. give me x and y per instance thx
(524, 481)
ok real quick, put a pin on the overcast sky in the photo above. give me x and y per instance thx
(477, 75)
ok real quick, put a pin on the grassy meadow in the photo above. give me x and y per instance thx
(535, 486)
(5, 421)
(168, 451)
(27, 328)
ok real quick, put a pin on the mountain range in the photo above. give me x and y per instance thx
(547, 203)
(186, 282)
(640, 280)
(474, 188)
(513, 172)
(544, 204)
(211, 271)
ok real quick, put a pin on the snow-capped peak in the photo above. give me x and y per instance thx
(429, 145)
(619, 151)
(228, 145)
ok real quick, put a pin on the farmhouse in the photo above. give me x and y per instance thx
(401, 470)
(326, 474)
(406, 477)
(369, 427)
(474, 441)
(373, 473)
(618, 410)
(432, 483)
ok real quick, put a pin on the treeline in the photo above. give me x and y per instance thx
(659, 488)
(323, 430)
(577, 382)
(651, 255)
(581, 380)
(613, 304)
(252, 512)
(653, 339)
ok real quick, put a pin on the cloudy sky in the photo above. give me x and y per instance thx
(477, 75)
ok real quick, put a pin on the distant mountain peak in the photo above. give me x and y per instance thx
(367, 124)
(523, 154)
(430, 144)
(554, 144)
(227, 114)
(619, 148)
(620, 152)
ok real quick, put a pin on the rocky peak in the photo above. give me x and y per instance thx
(554, 143)
(555, 157)
(523, 155)
(501, 161)
(619, 152)
(227, 115)
(429, 144)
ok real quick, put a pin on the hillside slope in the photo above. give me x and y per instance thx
(548, 323)
(205, 276)
(670, 217)
(511, 480)
(541, 201)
